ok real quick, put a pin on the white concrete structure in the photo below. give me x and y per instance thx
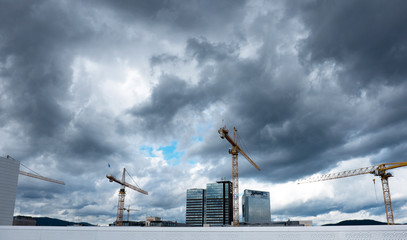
(395, 232)
(306, 222)
(9, 169)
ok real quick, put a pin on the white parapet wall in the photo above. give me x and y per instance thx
(398, 232)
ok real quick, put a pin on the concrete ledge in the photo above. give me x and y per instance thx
(398, 232)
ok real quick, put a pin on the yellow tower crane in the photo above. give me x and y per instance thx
(224, 133)
(122, 194)
(379, 170)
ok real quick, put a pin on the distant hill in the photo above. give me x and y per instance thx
(45, 221)
(356, 222)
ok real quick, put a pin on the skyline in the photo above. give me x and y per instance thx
(89, 88)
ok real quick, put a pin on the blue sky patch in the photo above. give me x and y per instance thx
(148, 150)
(170, 154)
(197, 139)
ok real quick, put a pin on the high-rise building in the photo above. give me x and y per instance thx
(256, 206)
(219, 203)
(195, 208)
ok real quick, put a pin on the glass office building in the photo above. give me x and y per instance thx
(219, 203)
(256, 207)
(195, 208)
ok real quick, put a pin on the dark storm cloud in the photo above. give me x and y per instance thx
(365, 38)
(275, 110)
(173, 94)
(286, 121)
(315, 133)
(191, 16)
(279, 118)
(35, 54)
(202, 50)
(39, 43)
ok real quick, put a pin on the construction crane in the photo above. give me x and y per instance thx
(122, 194)
(224, 133)
(128, 209)
(36, 175)
(40, 177)
(10, 169)
(379, 170)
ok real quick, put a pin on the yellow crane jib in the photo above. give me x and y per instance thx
(40, 177)
(379, 170)
(36, 175)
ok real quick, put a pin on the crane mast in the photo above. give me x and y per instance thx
(122, 195)
(379, 170)
(235, 181)
(128, 209)
(224, 133)
(120, 204)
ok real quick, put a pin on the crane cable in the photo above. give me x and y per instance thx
(25, 166)
(30, 169)
(132, 179)
(374, 186)
(244, 147)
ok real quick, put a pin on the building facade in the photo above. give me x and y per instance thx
(9, 169)
(195, 207)
(219, 203)
(256, 207)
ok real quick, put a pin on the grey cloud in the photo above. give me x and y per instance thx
(162, 58)
(365, 38)
(171, 95)
(36, 194)
(202, 50)
(189, 16)
(293, 124)
(395, 153)
(36, 54)
(314, 207)
(274, 115)
(39, 43)
(267, 102)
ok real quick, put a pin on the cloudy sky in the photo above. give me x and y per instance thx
(312, 87)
